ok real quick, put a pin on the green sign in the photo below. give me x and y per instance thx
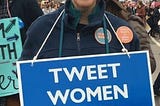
(10, 51)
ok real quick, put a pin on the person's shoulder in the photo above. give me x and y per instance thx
(115, 20)
(52, 14)
(137, 19)
(56, 13)
(47, 19)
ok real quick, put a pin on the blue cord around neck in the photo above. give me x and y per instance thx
(62, 33)
(106, 35)
(61, 36)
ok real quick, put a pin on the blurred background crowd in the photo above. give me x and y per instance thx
(148, 10)
(48, 6)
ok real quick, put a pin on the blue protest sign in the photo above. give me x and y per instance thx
(96, 80)
(10, 51)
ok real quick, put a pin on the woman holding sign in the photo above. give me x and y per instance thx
(80, 27)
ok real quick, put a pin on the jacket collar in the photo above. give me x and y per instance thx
(72, 16)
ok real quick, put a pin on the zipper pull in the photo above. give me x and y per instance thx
(78, 37)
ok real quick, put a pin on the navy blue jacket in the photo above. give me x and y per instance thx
(65, 38)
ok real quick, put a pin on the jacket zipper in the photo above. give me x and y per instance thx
(78, 43)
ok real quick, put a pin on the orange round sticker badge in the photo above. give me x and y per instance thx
(125, 34)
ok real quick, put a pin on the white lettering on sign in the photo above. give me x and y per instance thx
(94, 72)
(88, 72)
(101, 93)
